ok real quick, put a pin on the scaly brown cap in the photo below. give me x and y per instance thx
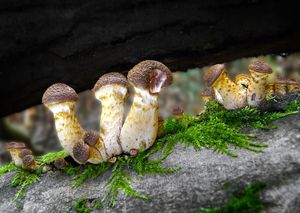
(260, 66)
(207, 91)
(81, 152)
(15, 145)
(292, 82)
(91, 137)
(25, 152)
(58, 93)
(60, 163)
(213, 73)
(111, 78)
(281, 81)
(28, 160)
(140, 74)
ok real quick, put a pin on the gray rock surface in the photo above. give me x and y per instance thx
(198, 184)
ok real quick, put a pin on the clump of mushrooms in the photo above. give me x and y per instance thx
(141, 124)
(111, 90)
(227, 93)
(21, 156)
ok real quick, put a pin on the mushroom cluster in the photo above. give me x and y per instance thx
(21, 156)
(245, 90)
(138, 131)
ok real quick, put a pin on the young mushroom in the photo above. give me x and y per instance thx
(60, 163)
(293, 86)
(177, 112)
(141, 124)
(280, 87)
(207, 94)
(97, 148)
(259, 72)
(227, 93)
(14, 150)
(61, 99)
(111, 90)
(29, 162)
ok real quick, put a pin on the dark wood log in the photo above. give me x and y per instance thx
(76, 41)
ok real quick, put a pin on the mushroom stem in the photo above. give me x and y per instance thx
(67, 127)
(259, 72)
(111, 90)
(141, 125)
(140, 128)
(61, 99)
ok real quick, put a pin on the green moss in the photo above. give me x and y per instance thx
(81, 206)
(84, 205)
(218, 129)
(23, 179)
(8, 168)
(246, 200)
(215, 128)
(51, 157)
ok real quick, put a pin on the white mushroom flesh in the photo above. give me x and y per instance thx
(111, 120)
(140, 128)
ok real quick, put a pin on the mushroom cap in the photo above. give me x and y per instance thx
(58, 93)
(207, 91)
(25, 152)
(81, 152)
(292, 82)
(28, 160)
(60, 163)
(213, 73)
(281, 81)
(111, 78)
(140, 76)
(260, 66)
(177, 111)
(15, 145)
(91, 137)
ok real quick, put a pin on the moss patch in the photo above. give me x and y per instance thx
(215, 128)
(246, 200)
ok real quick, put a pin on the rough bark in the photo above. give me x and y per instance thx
(73, 41)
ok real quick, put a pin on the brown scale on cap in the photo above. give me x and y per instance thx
(111, 78)
(213, 73)
(15, 145)
(25, 152)
(91, 137)
(140, 74)
(59, 93)
(81, 152)
(260, 66)
(60, 163)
